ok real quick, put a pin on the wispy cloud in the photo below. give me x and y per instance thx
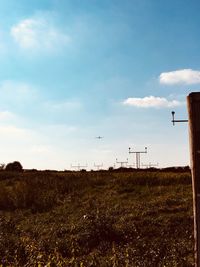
(38, 33)
(151, 102)
(184, 76)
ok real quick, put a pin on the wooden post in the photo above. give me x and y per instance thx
(193, 103)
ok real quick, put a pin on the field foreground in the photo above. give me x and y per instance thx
(96, 219)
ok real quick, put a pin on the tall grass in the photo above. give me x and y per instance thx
(96, 219)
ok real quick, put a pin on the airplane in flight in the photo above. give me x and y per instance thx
(99, 137)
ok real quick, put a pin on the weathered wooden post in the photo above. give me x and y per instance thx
(193, 103)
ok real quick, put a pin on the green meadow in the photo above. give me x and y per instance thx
(102, 218)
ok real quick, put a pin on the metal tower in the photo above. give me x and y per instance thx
(137, 153)
(122, 162)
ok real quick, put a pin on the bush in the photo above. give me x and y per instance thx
(14, 166)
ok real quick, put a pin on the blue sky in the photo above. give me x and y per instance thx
(72, 70)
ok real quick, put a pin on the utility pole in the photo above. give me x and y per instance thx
(193, 104)
(137, 153)
(78, 167)
(98, 166)
(122, 162)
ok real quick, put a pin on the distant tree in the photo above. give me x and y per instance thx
(14, 166)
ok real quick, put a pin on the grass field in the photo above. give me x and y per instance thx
(96, 219)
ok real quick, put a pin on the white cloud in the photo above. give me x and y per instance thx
(38, 33)
(185, 76)
(151, 102)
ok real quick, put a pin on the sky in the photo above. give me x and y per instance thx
(72, 70)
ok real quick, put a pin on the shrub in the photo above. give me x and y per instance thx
(14, 166)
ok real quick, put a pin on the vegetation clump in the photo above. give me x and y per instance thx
(96, 219)
(14, 166)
